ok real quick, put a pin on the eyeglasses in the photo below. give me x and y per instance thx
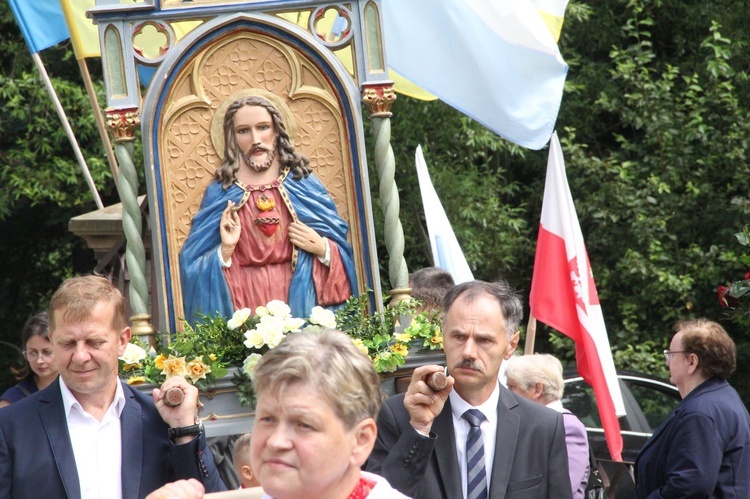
(33, 355)
(668, 354)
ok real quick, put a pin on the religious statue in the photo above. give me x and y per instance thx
(267, 228)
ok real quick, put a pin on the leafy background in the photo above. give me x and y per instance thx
(655, 136)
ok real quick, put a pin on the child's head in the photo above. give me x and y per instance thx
(241, 460)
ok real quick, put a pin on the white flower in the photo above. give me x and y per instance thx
(312, 329)
(254, 339)
(278, 308)
(261, 311)
(133, 354)
(271, 323)
(293, 324)
(250, 362)
(239, 318)
(323, 317)
(273, 338)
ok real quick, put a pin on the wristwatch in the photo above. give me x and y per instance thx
(185, 431)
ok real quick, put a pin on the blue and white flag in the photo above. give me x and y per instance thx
(495, 61)
(446, 252)
(42, 22)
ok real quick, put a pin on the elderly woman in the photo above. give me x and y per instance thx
(703, 448)
(539, 378)
(318, 397)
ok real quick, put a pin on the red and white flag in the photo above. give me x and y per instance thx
(563, 296)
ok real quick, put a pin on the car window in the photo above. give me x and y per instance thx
(579, 399)
(654, 399)
(655, 402)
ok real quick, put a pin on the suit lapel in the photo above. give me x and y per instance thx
(445, 452)
(131, 433)
(52, 414)
(508, 425)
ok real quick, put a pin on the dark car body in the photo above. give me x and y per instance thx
(648, 401)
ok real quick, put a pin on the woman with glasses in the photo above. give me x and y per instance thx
(39, 370)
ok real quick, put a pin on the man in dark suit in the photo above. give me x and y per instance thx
(702, 449)
(88, 434)
(432, 444)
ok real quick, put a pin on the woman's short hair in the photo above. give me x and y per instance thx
(527, 370)
(712, 344)
(77, 297)
(328, 360)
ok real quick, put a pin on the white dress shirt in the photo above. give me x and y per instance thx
(97, 447)
(489, 431)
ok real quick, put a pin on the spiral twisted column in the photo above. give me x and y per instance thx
(122, 125)
(379, 97)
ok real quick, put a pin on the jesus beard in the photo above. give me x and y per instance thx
(260, 167)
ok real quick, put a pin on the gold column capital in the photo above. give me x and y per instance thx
(122, 123)
(379, 97)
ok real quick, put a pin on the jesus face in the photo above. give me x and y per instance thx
(256, 137)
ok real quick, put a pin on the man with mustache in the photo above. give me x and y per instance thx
(473, 439)
(267, 229)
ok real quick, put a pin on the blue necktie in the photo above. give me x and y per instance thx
(476, 476)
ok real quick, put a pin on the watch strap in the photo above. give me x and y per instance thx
(185, 431)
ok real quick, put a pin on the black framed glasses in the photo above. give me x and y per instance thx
(668, 354)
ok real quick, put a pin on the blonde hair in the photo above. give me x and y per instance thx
(528, 370)
(241, 448)
(77, 297)
(330, 361)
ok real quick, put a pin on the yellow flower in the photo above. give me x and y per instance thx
(174, 366)
(196, 369)
(359, 344)
(129, 367)
(159, 361)
(136, 380)
(400, 349)
(403, 337)
(212, 356)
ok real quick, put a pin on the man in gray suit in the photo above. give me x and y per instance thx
(473, 439)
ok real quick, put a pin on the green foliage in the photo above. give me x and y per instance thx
(382, 335)
(43, 187)
(215, 337)
(655, 136)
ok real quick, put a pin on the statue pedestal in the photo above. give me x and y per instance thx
(222, 413)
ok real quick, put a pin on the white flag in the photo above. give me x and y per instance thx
(446, 252)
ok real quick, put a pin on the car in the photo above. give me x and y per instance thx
(648, 401)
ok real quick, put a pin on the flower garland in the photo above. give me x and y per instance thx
(202, 353)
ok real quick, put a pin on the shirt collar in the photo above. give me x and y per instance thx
(556, 405)
(69, 400)
(489, 407)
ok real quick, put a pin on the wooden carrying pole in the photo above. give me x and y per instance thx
(528, 347)
(68, 130)
(99, 118)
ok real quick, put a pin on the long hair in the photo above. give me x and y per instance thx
(36, 325)
(227, 172)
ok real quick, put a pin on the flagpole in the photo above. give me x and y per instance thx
(99, 118)
(68, 130)
(528, 347)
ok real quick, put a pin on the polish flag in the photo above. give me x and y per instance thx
(563, 296)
